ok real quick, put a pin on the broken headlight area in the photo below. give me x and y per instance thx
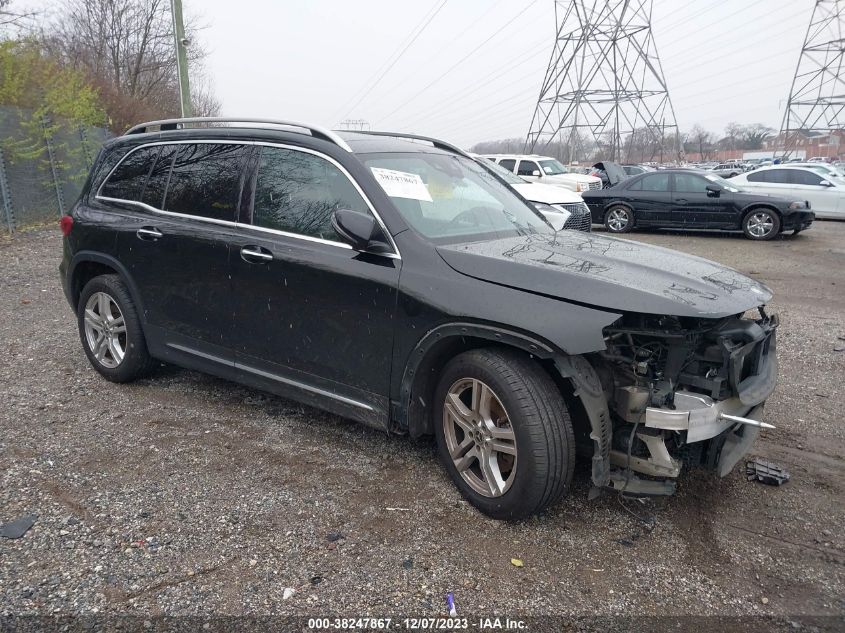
(684, 392)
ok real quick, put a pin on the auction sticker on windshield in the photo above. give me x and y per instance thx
(401, 184)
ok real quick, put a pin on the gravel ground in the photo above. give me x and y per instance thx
(186, 495)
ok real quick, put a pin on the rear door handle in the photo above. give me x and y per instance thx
(256, 255)
(149, 233)
(681, 200)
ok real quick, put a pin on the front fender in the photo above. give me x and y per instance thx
(425, 356)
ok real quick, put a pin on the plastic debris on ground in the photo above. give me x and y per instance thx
(765, 472)
(450, 604)
(18, 527)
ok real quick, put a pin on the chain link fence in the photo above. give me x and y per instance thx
(43, 167)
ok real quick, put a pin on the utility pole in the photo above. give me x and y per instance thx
(817, 96)
(604, 82)
(181, 57)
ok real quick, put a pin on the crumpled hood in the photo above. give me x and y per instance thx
(611, 273)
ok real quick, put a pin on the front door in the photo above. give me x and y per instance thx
(529, 169)
(312, 315)
(693, 205)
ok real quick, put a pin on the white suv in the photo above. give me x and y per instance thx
(545, 169)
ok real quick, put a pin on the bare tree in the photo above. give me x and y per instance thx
(754, 134)
(701, 140)
(126, 47)
(11, 18)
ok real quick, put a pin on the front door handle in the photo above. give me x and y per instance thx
(256, 255)
(681, 200)
(149, 233)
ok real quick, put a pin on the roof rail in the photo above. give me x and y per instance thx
(435, 142)
(174, 124)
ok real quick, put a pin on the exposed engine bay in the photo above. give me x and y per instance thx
(683, 391)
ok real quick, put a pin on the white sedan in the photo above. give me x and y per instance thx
(826, 195)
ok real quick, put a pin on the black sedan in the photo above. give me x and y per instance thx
(677, 198)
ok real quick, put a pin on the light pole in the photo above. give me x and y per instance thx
(181, 58)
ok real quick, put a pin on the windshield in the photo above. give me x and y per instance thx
(553, 168)
(725, 184)
(449, 198)
(505, 174)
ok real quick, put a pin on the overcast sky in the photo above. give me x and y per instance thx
(724, 60)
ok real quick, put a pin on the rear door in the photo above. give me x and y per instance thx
(176, 246)
(312, 315)
(651, 196)
(509, 164)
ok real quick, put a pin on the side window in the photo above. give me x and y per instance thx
(206, 180)
(157, 181)
(655, 182)
(690, 183)
(780, 176)
(527, 168)
(758, 176)
(508, 163)
(297, 192)
(800, 177)
(127, 180)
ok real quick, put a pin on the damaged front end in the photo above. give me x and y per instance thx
(680, 391)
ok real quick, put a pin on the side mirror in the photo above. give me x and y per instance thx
(826, 183)
(536, 172)
(713, 191)
(360, 231)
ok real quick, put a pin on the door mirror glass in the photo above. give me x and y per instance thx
(713, 190)
(535, 173)
(360, 231)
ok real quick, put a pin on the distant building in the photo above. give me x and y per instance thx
(811, 142)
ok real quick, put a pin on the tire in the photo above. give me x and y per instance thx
(619, 219)
(121, 354)
(532, 421)
(761, 224)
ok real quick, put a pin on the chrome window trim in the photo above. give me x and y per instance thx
(266, 374)
(394, 255)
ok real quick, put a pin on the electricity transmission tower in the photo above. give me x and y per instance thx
(604, 93)
(817, 95)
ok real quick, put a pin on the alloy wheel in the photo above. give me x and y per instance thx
(617, 219)
(479, 437)
(760, 224)
(105, 329)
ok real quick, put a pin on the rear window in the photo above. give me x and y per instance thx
(127, 181)
(206, 180)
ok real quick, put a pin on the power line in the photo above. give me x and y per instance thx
(460, 61)
(471, 91)
(426, 20)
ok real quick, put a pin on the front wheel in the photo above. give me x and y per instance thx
(503, 433)
(619, 219)
(761, 224)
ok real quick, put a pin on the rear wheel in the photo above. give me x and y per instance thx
(111, 331)
(503, 433)
(619, 219)
(761, 224)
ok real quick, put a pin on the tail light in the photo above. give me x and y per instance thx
(66, 224)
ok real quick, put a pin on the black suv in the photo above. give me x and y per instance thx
(393, 280)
